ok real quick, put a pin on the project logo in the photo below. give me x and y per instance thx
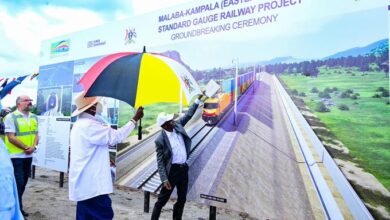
(60, 47)
(130, 36)
(187, 83)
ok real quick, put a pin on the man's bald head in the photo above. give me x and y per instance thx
(24, 103)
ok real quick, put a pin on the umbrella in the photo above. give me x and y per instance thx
(140, 79)
(8, 87)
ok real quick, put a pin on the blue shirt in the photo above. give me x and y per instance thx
(9, 203)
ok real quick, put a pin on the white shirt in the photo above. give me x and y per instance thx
(179, 153)
(9, 126)
(102, 119)
(89, 172)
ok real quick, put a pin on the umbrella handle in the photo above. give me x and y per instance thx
(140, 129)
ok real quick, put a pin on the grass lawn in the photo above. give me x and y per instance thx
(365, 127)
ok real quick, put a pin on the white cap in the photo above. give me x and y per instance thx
(164, 117)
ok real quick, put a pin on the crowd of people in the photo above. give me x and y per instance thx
(90, 179)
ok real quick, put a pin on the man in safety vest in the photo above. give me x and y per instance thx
(21, 129)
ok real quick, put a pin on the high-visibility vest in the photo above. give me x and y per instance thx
(24, 132)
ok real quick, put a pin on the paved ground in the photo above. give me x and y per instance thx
(44, 200)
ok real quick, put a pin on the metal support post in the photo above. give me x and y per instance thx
(213, 213)
(33, 172)
(61, 179)
(146, 201)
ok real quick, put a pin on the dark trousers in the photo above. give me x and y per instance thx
(96, 208)
(22, 170)
(178, 177)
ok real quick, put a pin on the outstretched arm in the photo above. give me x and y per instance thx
(191, 111)
(102, 134)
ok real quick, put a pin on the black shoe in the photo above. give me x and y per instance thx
(25, 214)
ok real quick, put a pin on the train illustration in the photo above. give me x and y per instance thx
(215, 107)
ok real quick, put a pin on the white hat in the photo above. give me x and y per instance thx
(84, 103)
(164, 117)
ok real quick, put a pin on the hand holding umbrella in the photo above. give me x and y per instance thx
(138, 115)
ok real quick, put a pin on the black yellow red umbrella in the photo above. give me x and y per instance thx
(140, 79)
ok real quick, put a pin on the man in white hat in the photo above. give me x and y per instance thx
(173, 146)
(89, 173)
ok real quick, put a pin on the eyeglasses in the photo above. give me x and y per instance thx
(27, 100)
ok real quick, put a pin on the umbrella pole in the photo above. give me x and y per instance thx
(140, 129)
